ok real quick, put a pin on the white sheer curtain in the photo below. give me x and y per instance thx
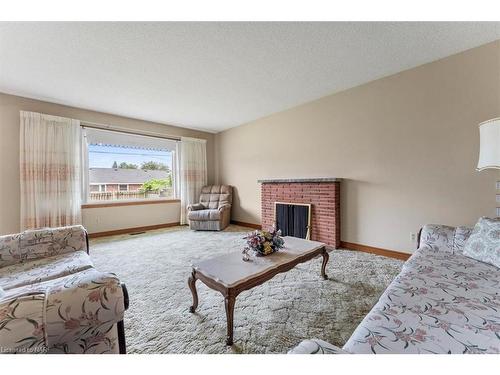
(193, 172)
(50, 171)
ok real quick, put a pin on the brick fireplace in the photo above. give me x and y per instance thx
(322, 193)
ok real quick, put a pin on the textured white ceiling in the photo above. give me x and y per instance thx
(213, 76)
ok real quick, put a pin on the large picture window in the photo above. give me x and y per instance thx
(121, 166)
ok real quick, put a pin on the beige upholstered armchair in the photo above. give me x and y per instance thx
(214, 210)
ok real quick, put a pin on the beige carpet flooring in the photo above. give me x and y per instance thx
(270, 318)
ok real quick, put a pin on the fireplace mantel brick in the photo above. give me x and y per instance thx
(324, 197)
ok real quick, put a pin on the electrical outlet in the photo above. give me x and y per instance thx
(413, 237)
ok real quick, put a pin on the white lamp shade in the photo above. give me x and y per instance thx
(489, 151)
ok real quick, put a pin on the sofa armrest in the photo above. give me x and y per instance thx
(82, 305)
(195, 207)
(10, 252)
(225, 207)
(443, 237)
(316, 346)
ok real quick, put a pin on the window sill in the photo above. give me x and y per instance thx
(128, 203)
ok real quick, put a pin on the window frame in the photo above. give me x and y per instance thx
(88, 203)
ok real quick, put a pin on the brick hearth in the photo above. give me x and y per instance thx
(322, 193)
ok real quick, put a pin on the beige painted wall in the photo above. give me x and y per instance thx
(407, 146)
(108, 218)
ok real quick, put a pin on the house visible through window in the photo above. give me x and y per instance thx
(123, 166)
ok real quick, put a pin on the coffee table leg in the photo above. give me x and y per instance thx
(323, 265)
(229, 303)
(192, 286)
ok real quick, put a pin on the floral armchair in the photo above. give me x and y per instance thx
(52, 299)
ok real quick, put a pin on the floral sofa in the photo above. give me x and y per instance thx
(441, 302)
(53, 300)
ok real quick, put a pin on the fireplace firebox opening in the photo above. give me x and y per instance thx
(293, 219)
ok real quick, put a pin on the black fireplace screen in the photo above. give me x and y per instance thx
(292, 219)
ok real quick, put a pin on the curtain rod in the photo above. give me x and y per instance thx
(95, 125)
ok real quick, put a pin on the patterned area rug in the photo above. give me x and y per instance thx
(271, 318)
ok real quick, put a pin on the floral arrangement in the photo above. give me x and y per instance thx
(265, 242)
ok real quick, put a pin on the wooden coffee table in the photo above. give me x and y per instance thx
(230, 275)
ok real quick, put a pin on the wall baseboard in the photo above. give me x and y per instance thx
(132, 230)
(374, 250)
(249, 225)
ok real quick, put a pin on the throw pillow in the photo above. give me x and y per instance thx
(484, 242)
